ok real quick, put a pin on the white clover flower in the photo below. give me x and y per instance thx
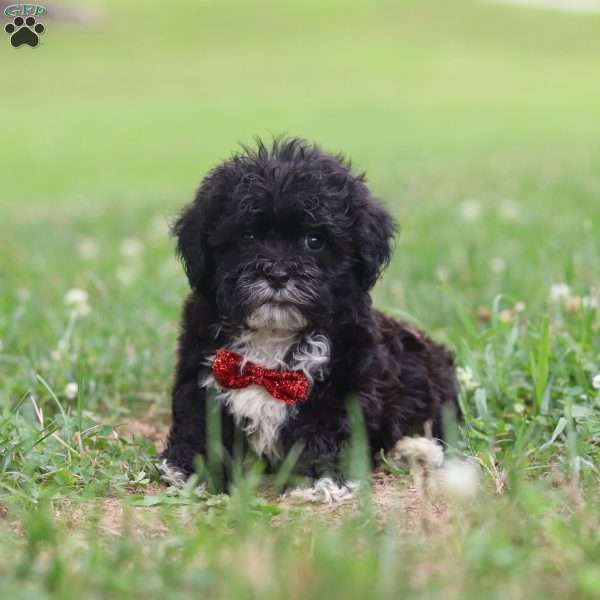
(442, 274)
(520, 307)
(470, 210)
(596, 382)
(125, 275)
(131, 247)
(24, 295)
(77, 300)
(83, 310)
(459, 479)
(559, 292)
(76, 296)
(71, 390)
(590, 303)
(87, 248)
(466, 378)
(498, 264)
(509, 210)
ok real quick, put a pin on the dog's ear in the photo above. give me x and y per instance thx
(191, 231)
(191, 246)
(375, 230)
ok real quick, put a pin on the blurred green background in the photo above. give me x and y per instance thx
(142, 99)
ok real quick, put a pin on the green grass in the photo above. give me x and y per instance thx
(477, 124)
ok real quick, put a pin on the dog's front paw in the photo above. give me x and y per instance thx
(176, 463)
(174, 477)
(324, 491)
(170, 474)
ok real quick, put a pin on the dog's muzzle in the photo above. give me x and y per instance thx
(278, 316)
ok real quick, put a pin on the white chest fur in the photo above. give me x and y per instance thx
(253, 408)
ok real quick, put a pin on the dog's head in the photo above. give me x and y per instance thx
(279, 237)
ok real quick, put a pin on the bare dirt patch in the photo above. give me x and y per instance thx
(393, 498)
(397, 498)
(112, 516)
(136, 428)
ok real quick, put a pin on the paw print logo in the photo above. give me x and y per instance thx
(24, 31)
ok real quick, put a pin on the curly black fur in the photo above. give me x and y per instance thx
(249, 221)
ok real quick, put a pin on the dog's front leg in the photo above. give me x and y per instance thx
(187, 437)
(201, 430)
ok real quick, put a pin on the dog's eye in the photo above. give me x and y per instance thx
(248, 236)
(314, 241)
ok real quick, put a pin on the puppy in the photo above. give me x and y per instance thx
(281, 247)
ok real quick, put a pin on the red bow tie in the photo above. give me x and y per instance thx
(287, 386)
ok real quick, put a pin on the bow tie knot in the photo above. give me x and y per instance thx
(231, 372)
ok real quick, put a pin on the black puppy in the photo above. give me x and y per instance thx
(281, 246)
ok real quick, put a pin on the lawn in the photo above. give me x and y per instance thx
(478, 125)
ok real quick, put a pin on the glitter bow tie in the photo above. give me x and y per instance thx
(287, 386)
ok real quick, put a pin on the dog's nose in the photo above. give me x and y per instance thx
(277, 275)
